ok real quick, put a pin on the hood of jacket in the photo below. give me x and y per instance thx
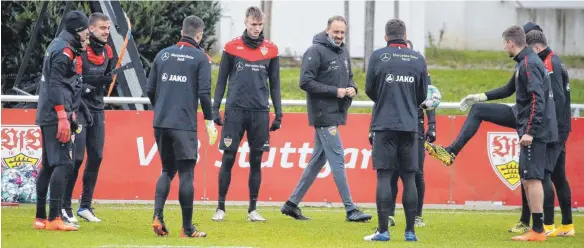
(322, 39)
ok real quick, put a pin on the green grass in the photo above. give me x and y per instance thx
(453, 84)
(483, 59)
(129, 225)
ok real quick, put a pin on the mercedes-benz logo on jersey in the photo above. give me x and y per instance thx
(385, 57)
(389, 78)
(165, 56)
(164, 77)
(239, 66)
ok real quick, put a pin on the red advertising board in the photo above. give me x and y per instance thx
(486, 169)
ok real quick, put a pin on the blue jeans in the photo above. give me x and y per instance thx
(327, 146)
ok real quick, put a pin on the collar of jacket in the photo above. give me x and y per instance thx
(526, 51)
(75, 44)
(187, 41)
(545, 53)
(96, 45)
(322, 38)
(398, 43)
(251, 42)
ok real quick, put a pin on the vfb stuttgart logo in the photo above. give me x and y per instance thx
(504, 150)
(21, 145)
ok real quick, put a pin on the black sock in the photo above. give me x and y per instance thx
(57, 184)
(225, 177)
(525, 212)
(90, 178)
(255, 178)
(42, 187)
(383, 199)
(394, 190)
(420, 183)
(291, 204)
(163, 189)
(537, 222)
(563, 189)
(409, 198)
(71, 180)
(186, 191)
(548, 199)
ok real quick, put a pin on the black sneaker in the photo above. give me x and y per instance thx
(357, 216)
(293, 212)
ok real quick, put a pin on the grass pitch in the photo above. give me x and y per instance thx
(129, 226)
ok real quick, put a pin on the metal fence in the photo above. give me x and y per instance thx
(144, 100)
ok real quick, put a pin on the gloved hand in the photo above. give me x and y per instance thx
(469, 100)
(431, 133)
(211, 131)
(217, 117)
(63, 126)
(75, 127)
(371, 137)
(277, 123)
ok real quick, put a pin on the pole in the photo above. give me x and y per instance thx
(369, 28)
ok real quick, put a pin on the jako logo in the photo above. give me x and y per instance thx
(390, 78)
(405, 79)
(178, 78)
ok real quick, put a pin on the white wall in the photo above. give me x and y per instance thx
(472, 25)
(294, 23)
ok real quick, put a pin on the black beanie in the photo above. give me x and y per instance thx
(76, 21)
(530, 26)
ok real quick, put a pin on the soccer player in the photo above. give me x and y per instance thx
(556, 170)
(429, 136)
(327, 78)
(536, 122)
(396, 82)
(98, 61)
(59, 98)
(249, 61)
(179, 78)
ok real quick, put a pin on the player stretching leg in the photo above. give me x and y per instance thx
(397, 88)
(556, 170)
(248, 61)
(179, 78)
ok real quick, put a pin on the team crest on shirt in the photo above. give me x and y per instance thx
(332, 130)
(264, 50)
(227, 141)
(503, 151)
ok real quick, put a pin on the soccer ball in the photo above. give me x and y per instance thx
(433, 98)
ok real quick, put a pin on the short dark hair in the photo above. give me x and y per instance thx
(516, 34)
(336, 18)
(535, 37)
(395, 29)
(410, 44)
(97, 16)
(192, 25)
(254, 12)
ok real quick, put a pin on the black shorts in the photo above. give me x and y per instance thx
(533, 160)
(237, 122)
(394, 150)
(54, 152)
(174, 144)
(553, 151)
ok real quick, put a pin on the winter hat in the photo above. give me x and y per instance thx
(76, 21)
(530, 26)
